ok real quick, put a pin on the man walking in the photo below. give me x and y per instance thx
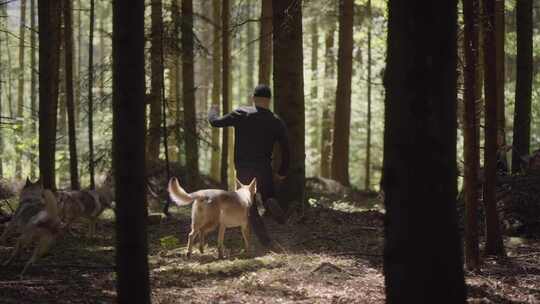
(256, 130)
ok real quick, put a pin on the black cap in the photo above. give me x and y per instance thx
(262, 90)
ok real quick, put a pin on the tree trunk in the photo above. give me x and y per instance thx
(500, 55)
(49, 57)
(314, 105)
(522, 111)
(289, 95)
(328, 105)
(78, 94)
(494, 243)
(188, 96)
(420, 141)
(225, 77)
(91, 97)
(342, 116)
(3, 27)
(470, 136)
(174, 81)
(250, 82)
(33, 88)
(20, 93)
(156, 67)
(68, 69)
(9, 78)
(216, 86)
(128, 152)
(265, 43)
(367, 178)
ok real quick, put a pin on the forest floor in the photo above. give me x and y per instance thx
(330, 254)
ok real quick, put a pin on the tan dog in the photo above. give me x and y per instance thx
(214, 208)
(36, 218)
(86, 204)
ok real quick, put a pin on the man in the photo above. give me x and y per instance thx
(256, 130)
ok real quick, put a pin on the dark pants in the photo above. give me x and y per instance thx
(265, 186)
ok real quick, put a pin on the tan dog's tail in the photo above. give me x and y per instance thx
(179, 196)
(50, 203)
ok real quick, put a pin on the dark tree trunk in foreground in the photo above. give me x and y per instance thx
(129, 152)
(289, 95)
(494, 243)
(328, 103)
(422, 254)
(342, 116)
(470, 134)
(156, 67)
(68, 69)
(225, 77)
(499, 70)
(188, 96)
(522, 110)
(216, 85)
(49, 58)
(91, 98)
(265, 43)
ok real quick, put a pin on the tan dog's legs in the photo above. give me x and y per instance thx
(191, 239)
(221, 236)
(202, 241)
(41, 248)
(245, 234)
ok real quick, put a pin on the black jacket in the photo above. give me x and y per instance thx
(256, 130)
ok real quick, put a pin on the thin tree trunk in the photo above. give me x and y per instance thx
(250, 49)
(342, 116)
(49, 57)
(494, 243)
(500, 55)
(265, 43)
(470, 145)
(314, 105)
(174, 81)
(289, 96)
(91, 97)
(129, 152)
(9, 78)
(20, 93)
(3, 28)
(102, 58)
(420, 155)
(328, 101)
(68, 65)
(188, 95)
(156, 49)
(367, 183)
(522, 111)
(216, 86)
(33, 88)
(78, 94)
(225, 52)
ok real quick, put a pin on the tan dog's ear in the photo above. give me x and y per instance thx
(238, 184)
(253, 186)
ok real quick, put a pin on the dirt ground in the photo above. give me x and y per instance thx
(330, 254)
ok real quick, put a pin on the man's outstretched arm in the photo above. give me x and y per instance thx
(227, 120)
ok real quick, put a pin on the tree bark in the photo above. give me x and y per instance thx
(367, 178)
(188, 95)
(216, 86)
(33, 88)
(342, 115)
(156, 67)
(250, 48)
(225, 78)
(328, 104)
(522, 111)
(500, 66)
(494, 243)
(289, 95)
(91, 97)
(3, 28)
(49, 58)
(129, 152)
(265, 43)
(68, 69)
(470, 136)
(314, 105)
(20, 93)
(420, 141)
